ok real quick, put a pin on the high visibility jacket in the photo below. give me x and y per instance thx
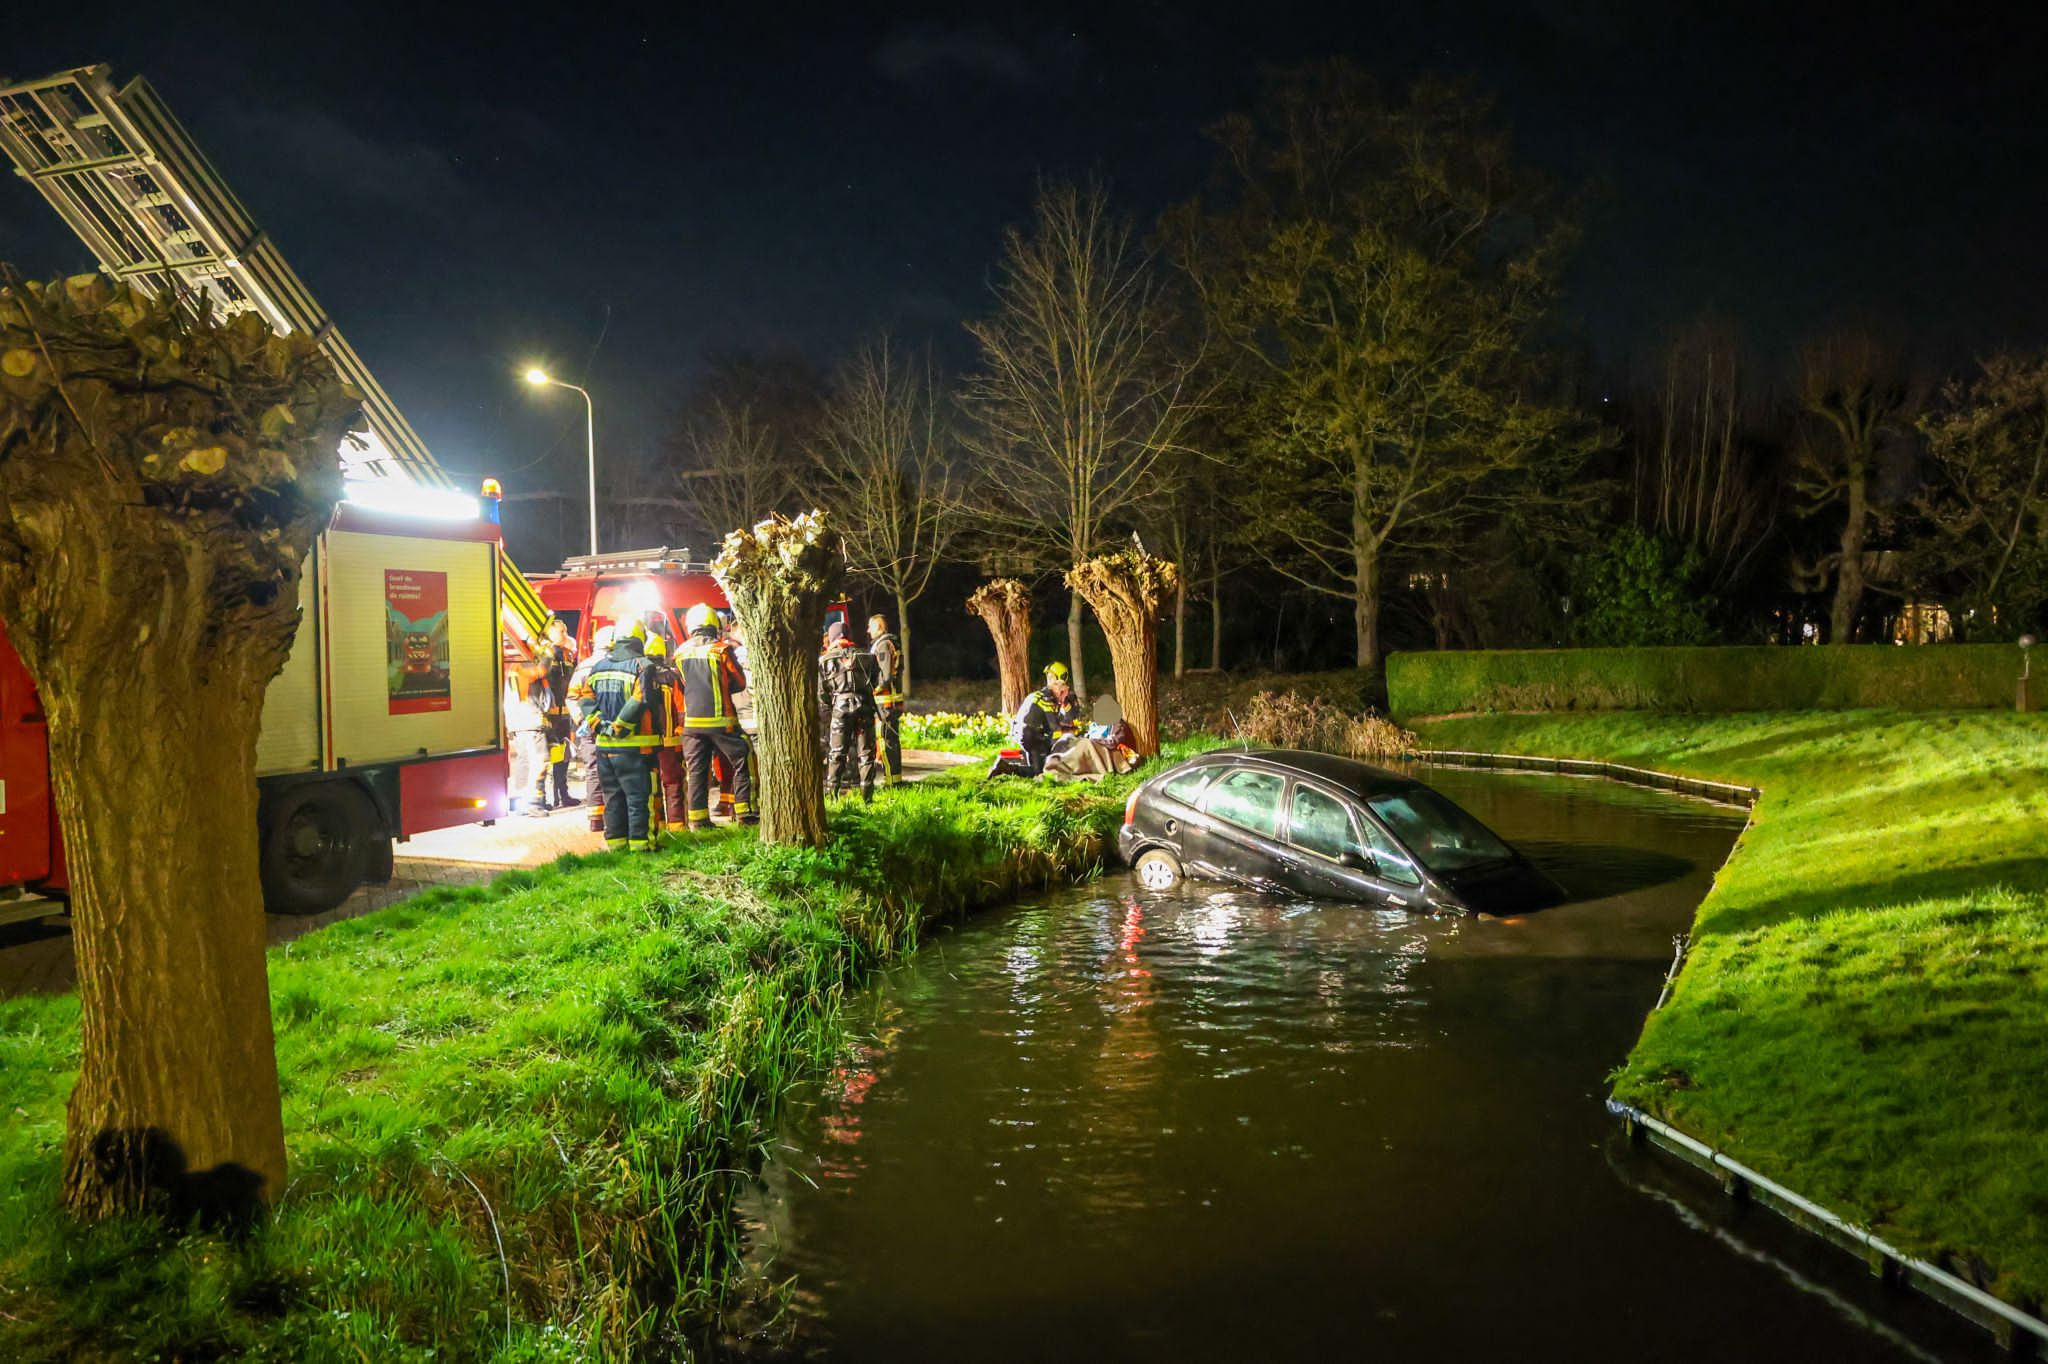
(846, 679)
(1041, 717)
(710, 677)
(665, 694)
(888, 669)
(613, 696)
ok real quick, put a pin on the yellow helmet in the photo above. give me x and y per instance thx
(700, 617)
(1056, 672)
(657, 646)
(639, 631)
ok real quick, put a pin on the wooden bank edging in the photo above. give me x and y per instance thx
(2017, 1329)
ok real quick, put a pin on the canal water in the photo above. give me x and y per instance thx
(1218, 1125)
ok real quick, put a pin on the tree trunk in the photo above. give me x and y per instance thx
(1216, 618)
(902, 646)
(1180, 629)
(1075, 646)
(780, 576)
(1365, 604)
(1849, 572)
(1126, 592)
(1004, 605)
(177, 1082)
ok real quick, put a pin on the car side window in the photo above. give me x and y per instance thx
(1249, 799)
(1320, 823)
(1187, 787)
(1394, 865)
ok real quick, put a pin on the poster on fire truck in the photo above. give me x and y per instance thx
(416, 640)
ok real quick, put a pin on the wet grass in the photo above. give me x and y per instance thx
(1864, 1011)
(519, 1114)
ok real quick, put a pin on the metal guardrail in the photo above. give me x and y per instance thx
(1726, 792)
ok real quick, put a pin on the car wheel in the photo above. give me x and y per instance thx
(316, 847)
(1157, 869)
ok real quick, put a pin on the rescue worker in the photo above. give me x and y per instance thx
(558, 657)
(585, 725)
(1046, 714)
(888, 697)
(846, 691)
(711, 726)
(614, 698)
(665, 798)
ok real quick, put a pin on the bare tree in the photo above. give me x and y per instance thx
(731, 471)
(1855, 393)
(883, 451)
(162, 480)
(1081, 388)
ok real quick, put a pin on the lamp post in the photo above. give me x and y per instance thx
(2025, 699)
(540, 378)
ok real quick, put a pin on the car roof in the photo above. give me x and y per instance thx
(1360, 779)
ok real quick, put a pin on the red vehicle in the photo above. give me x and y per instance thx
(656, 587)
(354, 752)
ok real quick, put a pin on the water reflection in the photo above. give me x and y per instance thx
(1214, 1124)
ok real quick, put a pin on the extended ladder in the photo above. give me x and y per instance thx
(123, 173)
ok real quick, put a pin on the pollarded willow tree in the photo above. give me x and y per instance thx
(1004, 605)
(1127, 591)
(162, 480)
(780, 576)
(884, 451)
(1083, 386)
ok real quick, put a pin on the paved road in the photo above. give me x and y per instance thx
(35, 957)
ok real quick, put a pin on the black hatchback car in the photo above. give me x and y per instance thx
(1324, 826)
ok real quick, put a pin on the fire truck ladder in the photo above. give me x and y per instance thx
(123, 173)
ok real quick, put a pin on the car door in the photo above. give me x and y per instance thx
(1334, 851)
(1239, 836)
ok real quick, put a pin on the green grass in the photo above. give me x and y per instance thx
(1864, 1014)
(1741, 678)
(581, 1061)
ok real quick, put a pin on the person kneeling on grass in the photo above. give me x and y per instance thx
(1047, 714)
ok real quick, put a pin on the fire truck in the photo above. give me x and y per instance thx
(387, 719)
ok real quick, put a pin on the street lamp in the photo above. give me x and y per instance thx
(540, 378)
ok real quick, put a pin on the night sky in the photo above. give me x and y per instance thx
(618, 192)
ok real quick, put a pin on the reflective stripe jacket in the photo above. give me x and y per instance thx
(665, 694)
(614, 692)
(846, 679)
(888, 669)
(1041, 717)
(710, 677)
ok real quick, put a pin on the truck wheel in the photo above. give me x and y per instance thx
(316, 847)
(1157, 869)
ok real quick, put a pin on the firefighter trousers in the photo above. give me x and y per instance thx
(889, 737)
(559, 736)
(731, 749)
(667, 797)
(622, 775)
(593, 787)
(853, 732)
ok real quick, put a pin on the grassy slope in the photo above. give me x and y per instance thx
(1864, 1012)
(578, 1059)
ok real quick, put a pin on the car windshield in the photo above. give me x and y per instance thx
(1442, 837)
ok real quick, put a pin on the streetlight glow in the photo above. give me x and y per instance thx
(536, 376)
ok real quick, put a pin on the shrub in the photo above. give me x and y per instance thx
(1287, 720)
(1639, 591)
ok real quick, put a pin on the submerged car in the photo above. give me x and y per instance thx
(1325, 826)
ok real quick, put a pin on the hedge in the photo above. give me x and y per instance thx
(1764, 677)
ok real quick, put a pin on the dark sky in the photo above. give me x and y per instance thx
(469, 190)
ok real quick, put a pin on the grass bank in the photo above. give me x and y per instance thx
(1863, 1011)
(518, 1114)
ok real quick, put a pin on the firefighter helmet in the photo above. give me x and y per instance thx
(638, 631)
(657, 646)
(700, 617)
(605, 637)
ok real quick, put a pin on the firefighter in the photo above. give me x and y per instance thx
(1046, 714)
(665, 799)
(846, 691)
(711, 726)
(558, 656)
(615, 699)
(585, 723)
(888, 697)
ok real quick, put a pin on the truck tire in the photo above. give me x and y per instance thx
(316, 847)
